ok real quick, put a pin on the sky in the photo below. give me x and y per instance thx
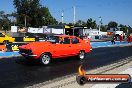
(119, 11)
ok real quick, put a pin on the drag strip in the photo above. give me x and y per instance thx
(17, 73)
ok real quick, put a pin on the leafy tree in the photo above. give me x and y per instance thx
(103, 28)
(70, 24)
(91, 23)
(60, 23)
(80, 23)
(129, 29)
(35, 14)
(5, 23)
(112, 24)
(123, 28)
(47, 18)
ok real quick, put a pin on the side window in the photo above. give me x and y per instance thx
(66, 41)
(52, 39)
(75, 41)
(1, 35)
(56, 39)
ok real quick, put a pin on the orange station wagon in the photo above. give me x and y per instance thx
(58, 46)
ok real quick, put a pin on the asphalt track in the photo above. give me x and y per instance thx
(18, 73)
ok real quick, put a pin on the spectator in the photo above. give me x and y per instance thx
(113, 40)
(121, 38)
(129, 39)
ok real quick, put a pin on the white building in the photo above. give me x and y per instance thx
(14, 28)
(115, 31)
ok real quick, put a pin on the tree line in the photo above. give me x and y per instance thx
(34, 14)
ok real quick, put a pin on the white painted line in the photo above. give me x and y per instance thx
(105, 86)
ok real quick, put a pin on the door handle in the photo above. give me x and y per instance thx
(69, 46)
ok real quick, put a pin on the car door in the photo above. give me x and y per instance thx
(63, 48)
(68, 47)
(75, 45)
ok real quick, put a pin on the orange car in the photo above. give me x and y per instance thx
(58, 46)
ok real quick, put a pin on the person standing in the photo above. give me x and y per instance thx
(121, 38)
(113, 40)
(129, 39)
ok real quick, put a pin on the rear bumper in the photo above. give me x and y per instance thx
(33, 55)
(28, 55)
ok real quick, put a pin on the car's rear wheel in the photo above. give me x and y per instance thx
(45, 59)
(81, 55)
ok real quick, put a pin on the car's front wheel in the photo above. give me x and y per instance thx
(45, 59)
(81, 55)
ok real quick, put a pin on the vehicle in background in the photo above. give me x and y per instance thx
(5, 39)
(31, 37)
(20, 39)
(24, 37)
(42, 37)
(61, 46)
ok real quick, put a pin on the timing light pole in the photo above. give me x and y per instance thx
(25, 21)
(74, 14)
(100, 22)
(62, 16)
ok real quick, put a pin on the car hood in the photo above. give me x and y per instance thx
(34, 44)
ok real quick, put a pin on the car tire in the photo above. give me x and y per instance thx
(45, 59)
(81, 55)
